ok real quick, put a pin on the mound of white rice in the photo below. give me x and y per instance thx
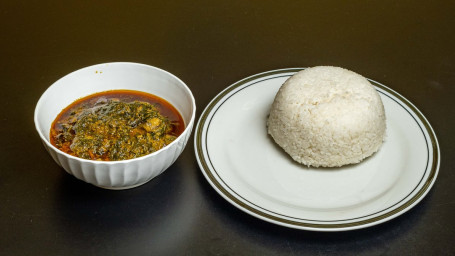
(327, 116)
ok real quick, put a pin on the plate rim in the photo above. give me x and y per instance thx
(388, 215)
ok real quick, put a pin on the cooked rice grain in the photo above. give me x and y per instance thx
(327, 116)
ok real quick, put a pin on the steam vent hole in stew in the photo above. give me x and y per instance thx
(116, 125)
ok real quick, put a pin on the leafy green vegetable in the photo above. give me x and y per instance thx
(113, 130)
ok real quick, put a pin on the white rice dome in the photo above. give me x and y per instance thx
(327, 116)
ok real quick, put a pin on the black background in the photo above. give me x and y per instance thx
(406, 45)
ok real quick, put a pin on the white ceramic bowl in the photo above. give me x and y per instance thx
(110, 76)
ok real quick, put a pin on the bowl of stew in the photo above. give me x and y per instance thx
(116, 125)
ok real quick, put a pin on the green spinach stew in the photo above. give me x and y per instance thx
(116, 125)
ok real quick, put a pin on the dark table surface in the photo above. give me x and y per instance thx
(406, 45)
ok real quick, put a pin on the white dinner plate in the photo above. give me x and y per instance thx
(245, 166)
